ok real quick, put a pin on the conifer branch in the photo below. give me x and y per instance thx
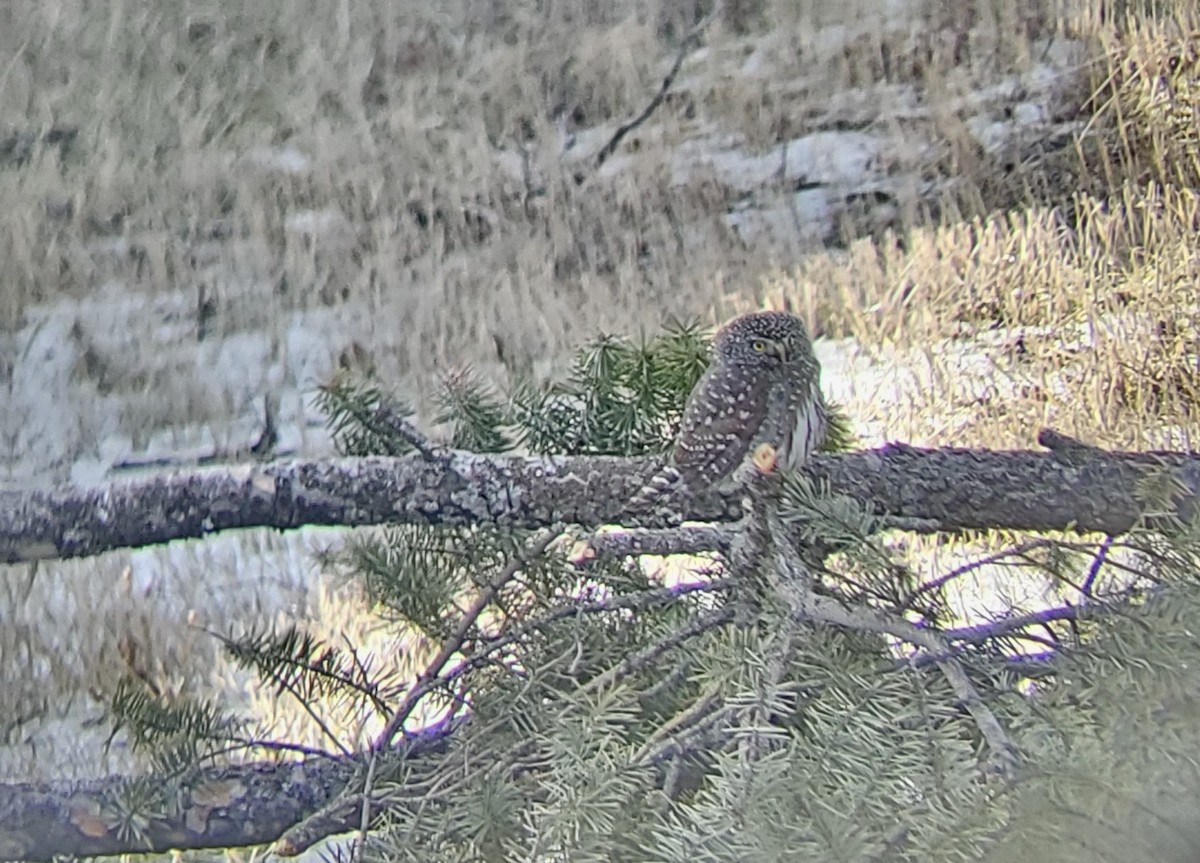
(792, 582)
(356, 801)
(765, 542)
(432, 677)
(642, 601)
(365, 421)
(824, 610)
(303, 802)
(948, 489)
(646, 657)
(301, 665)
(212, 807)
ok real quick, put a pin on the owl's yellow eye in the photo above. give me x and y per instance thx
(758, 345)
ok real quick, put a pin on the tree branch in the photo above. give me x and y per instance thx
(295, 804)
(946, 489)
(1016, 622)
(690, 539)
(431, 677)
(1003, 752)
(215, 807)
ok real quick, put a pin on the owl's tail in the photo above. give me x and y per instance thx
(658, 487)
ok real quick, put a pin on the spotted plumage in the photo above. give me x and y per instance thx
(762, 387)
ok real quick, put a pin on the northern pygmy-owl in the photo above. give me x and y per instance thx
(762, 387)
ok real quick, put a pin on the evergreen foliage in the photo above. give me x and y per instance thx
(357, 417)
(620, 397)
(617, 715)
(177, 734)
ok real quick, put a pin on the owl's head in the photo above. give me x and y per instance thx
(763, 339)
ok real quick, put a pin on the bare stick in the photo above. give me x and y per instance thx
(1012, 623)
(1098, 561)
(364, 822)
(685, 48)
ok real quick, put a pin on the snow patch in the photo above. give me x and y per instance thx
(285, 160)
(317, 222)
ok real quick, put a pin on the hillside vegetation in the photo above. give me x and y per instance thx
(207, 205)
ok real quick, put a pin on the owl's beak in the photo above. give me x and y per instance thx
(780, 350)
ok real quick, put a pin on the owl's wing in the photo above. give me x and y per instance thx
(720, 419)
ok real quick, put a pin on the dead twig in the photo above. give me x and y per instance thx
(1010, 624)
(686, 46)
(364, 822)
(1098, 561)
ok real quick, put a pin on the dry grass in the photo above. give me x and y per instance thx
(399, 173)
(1088, 313)
(433, 141)
(411, 130)
(1087, 306)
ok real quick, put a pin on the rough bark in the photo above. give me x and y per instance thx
(223, 807)
(1072, 487)
(228, 806)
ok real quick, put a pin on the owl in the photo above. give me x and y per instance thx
(762, 387)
